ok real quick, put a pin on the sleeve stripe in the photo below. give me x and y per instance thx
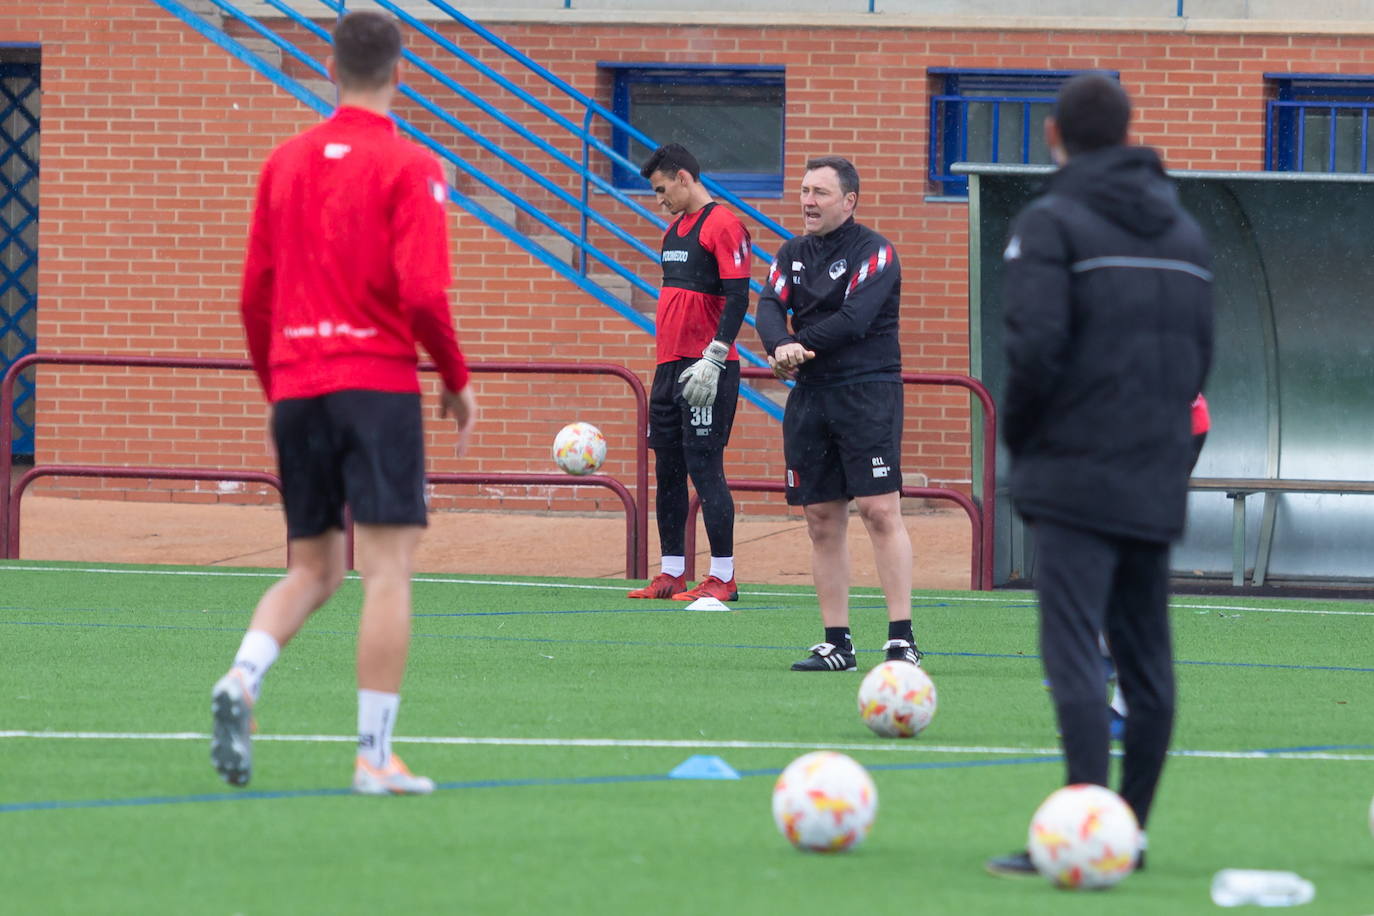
(870, 268)
(778, 281)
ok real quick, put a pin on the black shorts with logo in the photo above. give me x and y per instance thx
(674, 422)
(363, 448)
(842, 442)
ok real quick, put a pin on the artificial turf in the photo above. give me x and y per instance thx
(550, 713)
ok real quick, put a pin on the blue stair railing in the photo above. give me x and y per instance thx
(586, 175)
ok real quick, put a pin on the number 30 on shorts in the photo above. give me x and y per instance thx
(701, 416)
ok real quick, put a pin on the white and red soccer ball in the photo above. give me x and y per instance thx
(579, 448)
(824, 802)
(897, 700)
(1084, 836)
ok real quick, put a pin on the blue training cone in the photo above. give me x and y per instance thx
(703, 766)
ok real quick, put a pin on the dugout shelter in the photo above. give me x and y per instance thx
(1282, 491)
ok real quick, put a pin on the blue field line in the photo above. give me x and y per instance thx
(546, 782)
(125, 626)
(638, 643)
(1178, 661)
(680, 608)
(532, 782)
(676, 607)
(1201, 664)
(957, 764)
(1316, 748)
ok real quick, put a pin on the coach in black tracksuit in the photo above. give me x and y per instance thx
(1108, 341)
(842, 431)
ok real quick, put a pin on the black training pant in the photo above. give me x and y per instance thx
(1087, 583)
(706, 467)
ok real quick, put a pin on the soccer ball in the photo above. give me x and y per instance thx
(824, 802)
(1084, 836)
(579, 448)
(897, 700)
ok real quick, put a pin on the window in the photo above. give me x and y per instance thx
(988, 116)
(731, 118)
(1318, 122)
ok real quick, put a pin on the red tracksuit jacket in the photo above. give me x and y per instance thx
(348, 263)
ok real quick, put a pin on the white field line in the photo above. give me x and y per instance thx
(1004, 599)
(913, 747)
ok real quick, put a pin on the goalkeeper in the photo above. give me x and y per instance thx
(701, 305)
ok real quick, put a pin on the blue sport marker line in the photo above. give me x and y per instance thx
(468, 785)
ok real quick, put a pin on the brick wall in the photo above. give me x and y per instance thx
(151, 138)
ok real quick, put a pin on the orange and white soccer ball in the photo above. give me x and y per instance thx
(897, 700)
(1084, 836)
(824, 802)
(579, 448)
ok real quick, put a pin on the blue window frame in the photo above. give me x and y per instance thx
(731, 118)
(988, 116)
(20, 95)
(1318, 122)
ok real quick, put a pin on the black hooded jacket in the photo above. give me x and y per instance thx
(1108, 302)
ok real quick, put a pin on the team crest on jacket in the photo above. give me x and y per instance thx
(838, 268)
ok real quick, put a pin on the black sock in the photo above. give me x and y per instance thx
(901, 629)
(839, 637)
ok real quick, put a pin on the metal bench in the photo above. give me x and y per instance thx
(1238, 488)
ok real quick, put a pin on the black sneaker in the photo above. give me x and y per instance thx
(1016, 865)
(899, 650)
(828, 657)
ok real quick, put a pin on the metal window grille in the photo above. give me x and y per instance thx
(1318, 123)
(988, 116)
(732, 119)
(19, 122)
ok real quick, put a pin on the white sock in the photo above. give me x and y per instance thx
(673, 566)
(376, 719)
(723, 568)
(257, 652)
(1118, 701)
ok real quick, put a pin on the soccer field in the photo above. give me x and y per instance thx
(550, 713)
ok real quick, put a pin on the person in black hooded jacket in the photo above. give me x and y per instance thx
(1108, 341)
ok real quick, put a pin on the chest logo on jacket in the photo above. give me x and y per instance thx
(838, 268)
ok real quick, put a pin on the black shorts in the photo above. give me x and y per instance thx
(842, 442)
(363, 448)
(675, 423)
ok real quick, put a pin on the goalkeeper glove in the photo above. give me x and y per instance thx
(700, 379)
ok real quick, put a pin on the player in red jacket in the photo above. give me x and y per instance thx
(347, 269)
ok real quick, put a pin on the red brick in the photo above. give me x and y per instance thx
(147, 194)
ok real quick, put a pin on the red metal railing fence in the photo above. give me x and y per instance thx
(981, 513)
(636, 507)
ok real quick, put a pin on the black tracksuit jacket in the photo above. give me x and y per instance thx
(844, 289)
(1108, 306)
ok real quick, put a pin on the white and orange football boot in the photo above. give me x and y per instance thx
(392, 779)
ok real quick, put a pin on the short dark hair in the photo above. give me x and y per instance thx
(1092, 111)
(844, 170)
(366, 46)
(670, 159)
